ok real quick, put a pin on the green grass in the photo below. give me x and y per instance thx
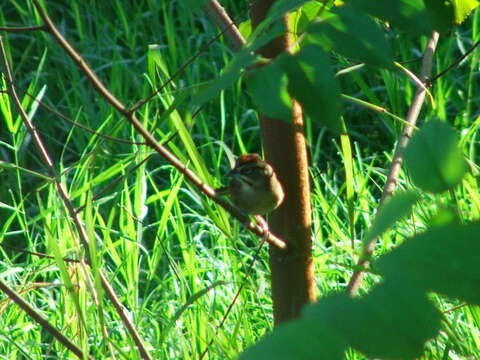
(175, 259)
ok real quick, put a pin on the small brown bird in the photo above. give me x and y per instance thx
(253, 186)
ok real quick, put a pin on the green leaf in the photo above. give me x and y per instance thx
(281, 7)
(433, 159)
(463, 8)
(400, 320)
(276, 13)
(407, 15)
(444, 216)
(446, 13)
(442, 14)
(231, 74)
(376, 323)
(419, 17)
(300, 339)
(396, 319)
(312, 82)
(301, 18)
(262, 35)
(444, 259)
(245, 29)
(354, 34)
(268, 87)
(394, 209)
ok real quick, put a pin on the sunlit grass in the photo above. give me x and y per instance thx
(175, 259)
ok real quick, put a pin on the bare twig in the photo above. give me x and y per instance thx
(34, 253)
(219, 16)
(149, 139)
(38, 142)
(23, 29)
(81, 126)
(71, 210)
(397, 161)
(454, 65)
(17, 299)
(172, 77)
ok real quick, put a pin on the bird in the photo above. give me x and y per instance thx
(253, 186)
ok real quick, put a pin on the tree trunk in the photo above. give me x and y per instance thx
(284, 143)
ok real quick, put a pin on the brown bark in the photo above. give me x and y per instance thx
(285, 148)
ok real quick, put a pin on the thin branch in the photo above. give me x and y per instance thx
(23, 29)
(455, 64)
(10, 293)
(150, 140)
(17, 299)
(70, 208)
(397, 160)
(34, 253)
(79, 60)
(81, 126)
(172, 77)
(219, 16)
